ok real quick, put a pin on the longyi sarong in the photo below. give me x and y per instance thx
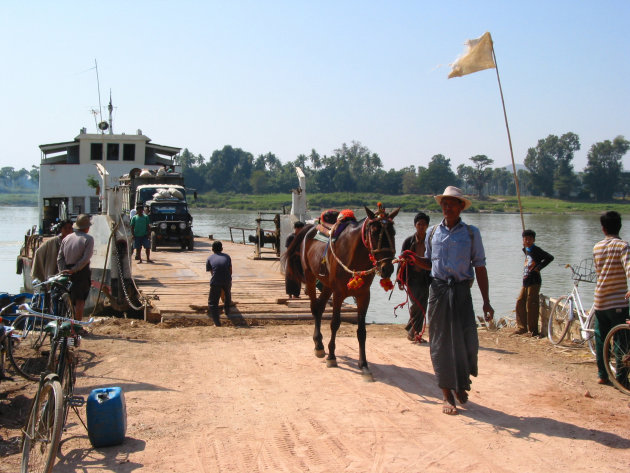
(452, 334)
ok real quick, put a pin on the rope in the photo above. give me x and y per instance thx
(348, 270)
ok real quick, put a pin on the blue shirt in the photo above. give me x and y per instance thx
(452, 253)
(220, 265)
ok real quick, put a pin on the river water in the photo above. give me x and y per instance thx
(570, 238)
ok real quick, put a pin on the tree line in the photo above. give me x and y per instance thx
(354, 168)
(351, 168)
(12, 181)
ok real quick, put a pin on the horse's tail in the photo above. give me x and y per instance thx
(290, 261)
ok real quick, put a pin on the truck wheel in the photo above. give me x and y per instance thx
(153, 242)
(191, 244)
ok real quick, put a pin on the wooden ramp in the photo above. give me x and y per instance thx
(177, 285)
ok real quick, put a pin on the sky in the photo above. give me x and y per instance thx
(288, 77)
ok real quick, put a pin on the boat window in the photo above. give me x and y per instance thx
(96, 152)
(94, 204)
(129, 152)
(113, 151)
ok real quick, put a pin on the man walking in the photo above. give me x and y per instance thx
(455, 254)
(220, 266)
(74, 258)
(612, 263)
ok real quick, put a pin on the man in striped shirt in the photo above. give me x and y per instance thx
(612, 263)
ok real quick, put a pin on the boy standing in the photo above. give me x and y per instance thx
(527, 304)
(612, 263)
(416, 278)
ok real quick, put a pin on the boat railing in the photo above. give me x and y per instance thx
(242, 230)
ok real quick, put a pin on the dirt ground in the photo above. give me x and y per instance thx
(243, 399)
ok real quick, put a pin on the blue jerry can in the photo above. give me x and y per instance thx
(106, 417)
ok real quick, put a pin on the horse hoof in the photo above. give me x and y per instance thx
(331, 363)
(367, 377)
(320, 353)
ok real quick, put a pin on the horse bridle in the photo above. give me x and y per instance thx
(369, 244)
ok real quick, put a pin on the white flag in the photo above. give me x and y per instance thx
(477, 57)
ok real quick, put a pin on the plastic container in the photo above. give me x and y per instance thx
(106, 417)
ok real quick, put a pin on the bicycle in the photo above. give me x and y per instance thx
(28, 349)
(55, 394)
(569, 308)
(617, 356)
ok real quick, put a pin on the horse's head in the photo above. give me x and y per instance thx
(378, 237)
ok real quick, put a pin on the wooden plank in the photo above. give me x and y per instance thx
(180, 284)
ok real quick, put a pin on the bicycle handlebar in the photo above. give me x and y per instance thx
(30, 310)
(57, 278)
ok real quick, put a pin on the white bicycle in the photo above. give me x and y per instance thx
(569, 308)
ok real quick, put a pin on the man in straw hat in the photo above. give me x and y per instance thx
(454, 254)
(74, 259)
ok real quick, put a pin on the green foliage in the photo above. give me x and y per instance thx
(602, 175)
(438, 175)
(92, 182)
(549, 163)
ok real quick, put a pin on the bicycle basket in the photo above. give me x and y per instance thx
(585, 271)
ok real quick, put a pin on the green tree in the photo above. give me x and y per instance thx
(230, 169)
(477, 175)
(410, 183)
(501, 182)
(602, 174)
(438, 175)
(550, 161)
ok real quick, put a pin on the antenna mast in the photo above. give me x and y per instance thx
(110, 107)
(98, 86)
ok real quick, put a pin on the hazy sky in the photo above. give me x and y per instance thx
(290, 76)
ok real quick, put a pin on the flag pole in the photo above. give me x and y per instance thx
(507, 127)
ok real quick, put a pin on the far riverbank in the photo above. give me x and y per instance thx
(407, 203)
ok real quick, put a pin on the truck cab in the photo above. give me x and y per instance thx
(171, 223)
(164, 196)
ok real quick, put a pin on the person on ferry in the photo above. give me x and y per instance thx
(74, 258)
(45, 257)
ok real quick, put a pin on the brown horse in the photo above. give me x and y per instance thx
(362, 250)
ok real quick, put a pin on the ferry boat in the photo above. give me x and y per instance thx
(82, 176)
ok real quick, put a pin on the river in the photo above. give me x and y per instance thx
(570, 238)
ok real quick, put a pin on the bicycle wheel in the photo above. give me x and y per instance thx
(559, 320)
(65, 308)
(28, 353)
(617, 356)
(40, 440)
(67, 376)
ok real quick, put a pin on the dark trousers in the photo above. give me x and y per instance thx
(604, 321)
(215, 297)
(527, 308)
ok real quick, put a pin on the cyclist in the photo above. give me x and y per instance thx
(612, 263)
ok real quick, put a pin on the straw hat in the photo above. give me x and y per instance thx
(83, 222)
(452, 191)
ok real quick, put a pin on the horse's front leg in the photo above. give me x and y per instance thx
(335, 323)
(317, 309)
(363, 302)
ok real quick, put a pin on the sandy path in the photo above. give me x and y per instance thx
(203, 399)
